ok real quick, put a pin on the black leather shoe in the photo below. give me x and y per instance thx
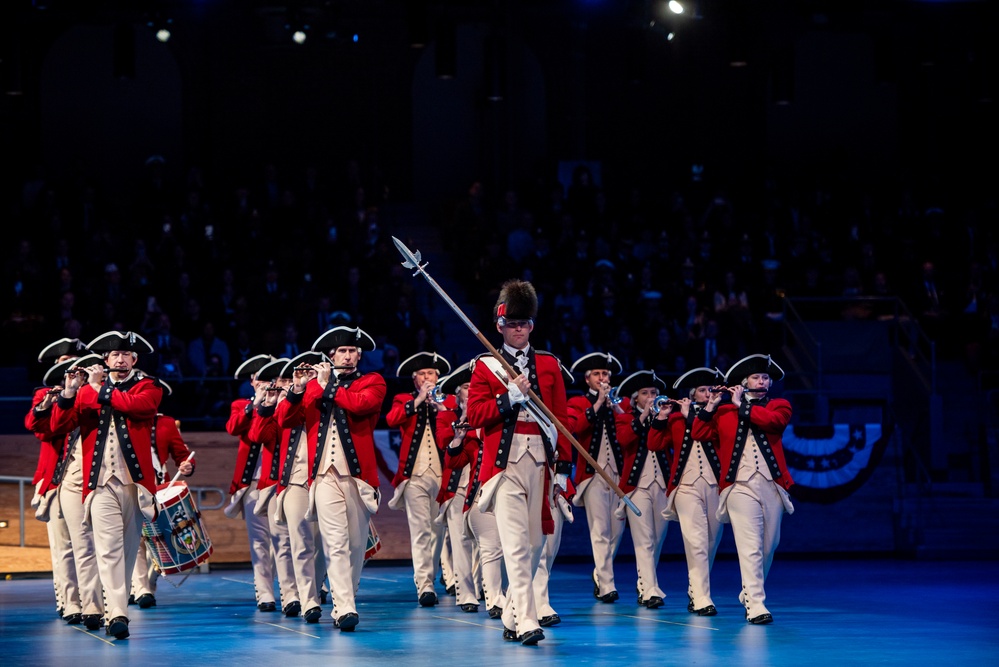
(313, 614)
(92, 621)
(267, 606)
(292, 609)
(470, 608)
(347, 622)
(711, 611)
(131, 600)
(509, 635)
(495, 612)
(118, 627)
(548, 621)
(73, 619)
(610, 597)
(654, 602)
(428, 599)
(762, 619)
(145, 601)
(532, 637)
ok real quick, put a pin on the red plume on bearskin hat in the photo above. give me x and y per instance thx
(517, 301)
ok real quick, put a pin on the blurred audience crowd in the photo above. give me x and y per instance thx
(693, 273)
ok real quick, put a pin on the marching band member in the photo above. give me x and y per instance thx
(560, 507)
(693, 485)
(244, 489)
(592, 421)
(297, 456)
(339, 408)
(71, 504)
(417, 481)
(452, 430)
(53, 452)
(463, 457)
(519, 450)
(644, 479)
(115, 410)
(269, 389)
(754, 489)
(166, 442)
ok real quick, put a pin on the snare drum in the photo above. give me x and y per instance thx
(374, 542)
(177, 540)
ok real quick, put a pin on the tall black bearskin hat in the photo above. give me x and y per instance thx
(517, 301)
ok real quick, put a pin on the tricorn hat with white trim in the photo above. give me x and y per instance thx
(699, 377)
(598, 360)
(451, 383)
(422, 360)
(55, 374)
(273, 370)
(754, 363)
(128, 341)
(60, 348)
(251, 366)
(640, 380)
(344, 337)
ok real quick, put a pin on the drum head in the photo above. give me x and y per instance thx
(171, 494)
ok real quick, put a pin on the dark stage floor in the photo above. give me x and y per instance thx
(854, 612)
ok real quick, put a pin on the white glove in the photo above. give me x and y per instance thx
(516, 395)
(561, 479)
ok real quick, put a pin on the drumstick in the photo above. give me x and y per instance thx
(177, 476)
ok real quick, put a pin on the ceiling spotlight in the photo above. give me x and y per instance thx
(675, 7)
(161, 28)
(299, 36)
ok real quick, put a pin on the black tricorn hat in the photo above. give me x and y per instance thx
(273, 370)
(699, 377)
(251, 366)
(422, 360)
(128, 341)
(54, 375)
(344, 337)
(62, 347)
(517, 301)
(302, 359)
(451, 383)
(595, 360)
(754, 363)
(640, 380)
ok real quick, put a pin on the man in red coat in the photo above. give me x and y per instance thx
(245, 489)
(69, 473)
(520, 450)
(755, 478)
(270, 389)
(643, 478)
(114, 409)
(167, 443)
(52, 454)
(339, 408)
(460, 463)
(693, 484)
(592, 419)
(417, 482)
